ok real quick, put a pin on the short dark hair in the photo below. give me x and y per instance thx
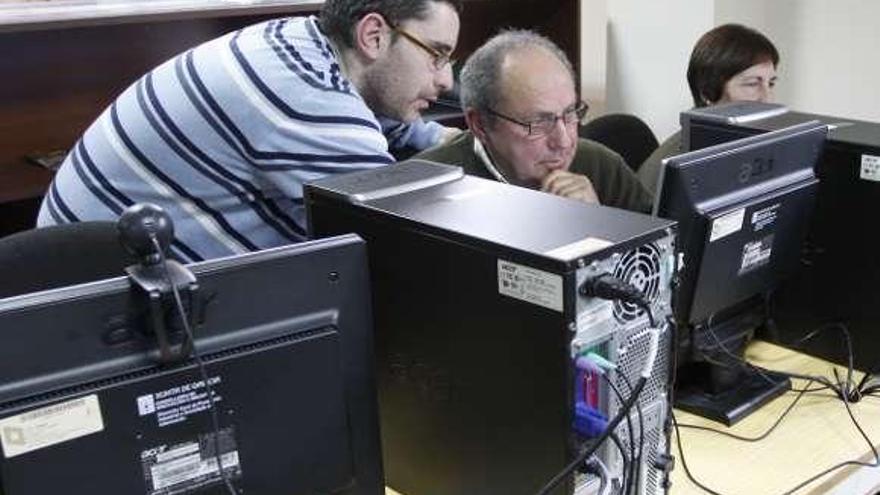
(338, 17)
(723, 53)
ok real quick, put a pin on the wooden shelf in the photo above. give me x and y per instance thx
(22, 180)
(60, 14)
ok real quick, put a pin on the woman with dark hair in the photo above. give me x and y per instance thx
(729, 63)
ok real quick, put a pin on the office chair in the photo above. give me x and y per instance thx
(61, 255)
(625, 134)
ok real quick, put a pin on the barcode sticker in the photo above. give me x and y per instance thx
(530, 284)
(870, 168)
(191, 465)
(50, 425)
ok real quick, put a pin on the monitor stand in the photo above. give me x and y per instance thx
(715, 383)
(729, 406)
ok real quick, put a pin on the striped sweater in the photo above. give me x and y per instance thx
(223, 137)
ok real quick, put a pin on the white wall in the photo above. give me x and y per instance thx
(830, 53)
(594, 54)
(649, 43)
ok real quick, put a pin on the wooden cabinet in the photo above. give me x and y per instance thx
(64, 61)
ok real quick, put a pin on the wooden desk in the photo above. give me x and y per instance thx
(816, 435)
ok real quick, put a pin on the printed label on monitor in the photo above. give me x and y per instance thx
(177, 404)
(728, 224)
(871, 168)
(756, 254)
(765, 217)
(190, 466)
(530, 285)
(50, 425)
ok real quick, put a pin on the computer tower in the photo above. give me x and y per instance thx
(479, 322)
(839, 273)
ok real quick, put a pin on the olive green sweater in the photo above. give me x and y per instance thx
(614, 183)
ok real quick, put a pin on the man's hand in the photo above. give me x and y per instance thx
(569, 185)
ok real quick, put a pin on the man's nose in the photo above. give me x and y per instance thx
(562, 135)
(443, 78)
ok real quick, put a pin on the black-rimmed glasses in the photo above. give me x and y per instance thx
(438, 59)
(543, 126)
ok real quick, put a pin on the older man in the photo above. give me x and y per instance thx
(522, 113)
(224, 135)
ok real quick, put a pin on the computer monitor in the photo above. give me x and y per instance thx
(835, 284)
(86, 406)
(743, 210)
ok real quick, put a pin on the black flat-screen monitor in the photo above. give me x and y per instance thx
(743, 210)
(86, 406)
(835, 284)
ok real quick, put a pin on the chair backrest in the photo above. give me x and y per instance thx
(626, 134)
(61, 255)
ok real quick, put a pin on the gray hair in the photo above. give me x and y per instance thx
(480, 85)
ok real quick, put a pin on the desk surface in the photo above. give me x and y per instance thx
(815, 435)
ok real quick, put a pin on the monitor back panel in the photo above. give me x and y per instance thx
(287, 344)
(837, 279)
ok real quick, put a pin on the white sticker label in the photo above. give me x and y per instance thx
(177, 404)
(50, 425)
(728, 224)
(530, 285)
(765, 217)
(756, 254)
(598, 314)
(579, 248)
(188, 466)
(871, 168)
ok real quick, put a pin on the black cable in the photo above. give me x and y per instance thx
(594, 466)
(850, 392)
(641, 450)
(855, 462)
(684, 465)
(760, 437)
(181, 312)
(632, 449)
(547, 488)
(762, 372)
(626, 462)
(845, 392)
(853, 393)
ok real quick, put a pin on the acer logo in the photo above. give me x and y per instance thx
(750, 170)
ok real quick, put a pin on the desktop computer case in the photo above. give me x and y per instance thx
(838, 276)
(477, 318)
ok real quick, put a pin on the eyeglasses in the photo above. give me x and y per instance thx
(544, 126)
(438, 58)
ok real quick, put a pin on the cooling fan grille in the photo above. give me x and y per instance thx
(640, 268)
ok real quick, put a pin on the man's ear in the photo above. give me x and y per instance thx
(371, 35)
(476, 123)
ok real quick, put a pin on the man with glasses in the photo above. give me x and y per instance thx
(522, 112)
(224, 135)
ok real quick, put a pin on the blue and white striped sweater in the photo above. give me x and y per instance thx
(223, 136)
